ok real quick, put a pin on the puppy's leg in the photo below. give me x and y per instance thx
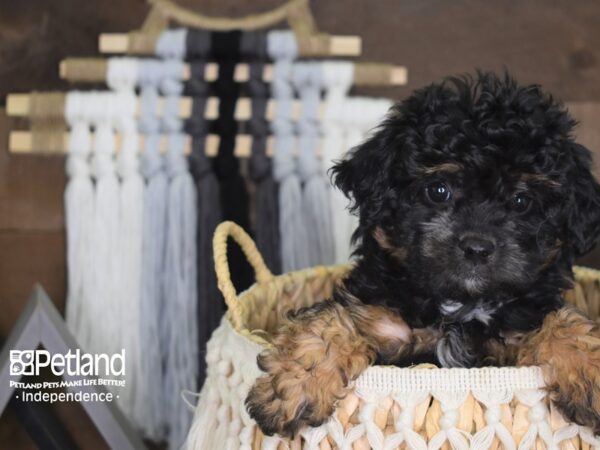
(567, 347)
(315, 354)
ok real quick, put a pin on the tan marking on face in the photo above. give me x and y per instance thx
(399, 253)
(536, 178)
(552, 254)
(444, 167)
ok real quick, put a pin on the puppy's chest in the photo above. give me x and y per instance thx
(457, 312)
(464, 330)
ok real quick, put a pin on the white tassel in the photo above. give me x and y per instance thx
(121, 77)
(105, 308)
(180, 291)
(180, 267)
(315, 196)
(79, 218)
(294, 252)
(152, 307)
(130, 254)
(337, 78)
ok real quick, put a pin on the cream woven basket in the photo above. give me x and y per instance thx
(389, 408)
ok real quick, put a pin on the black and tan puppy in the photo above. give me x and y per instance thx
(473, 200)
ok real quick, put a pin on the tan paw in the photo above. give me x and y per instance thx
(313, 358)
(568, 349)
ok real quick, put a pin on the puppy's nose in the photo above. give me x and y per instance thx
(477, 248)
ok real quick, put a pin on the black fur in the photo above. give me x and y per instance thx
(506, 139)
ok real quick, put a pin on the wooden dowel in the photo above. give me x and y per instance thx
(365, 74)
(20, 105)
(344, 46)
(94, 70)
(117, 43)
(22, 142)
(144, 44)
(52, 104)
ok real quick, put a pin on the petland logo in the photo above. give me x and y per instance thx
(29, 362)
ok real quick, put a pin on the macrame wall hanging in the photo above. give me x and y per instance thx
(153, 298)
(267, 233)
(218, 121)
(210, 305)
(316, 209)
(225, 48)
(79, 217)
(294, 251)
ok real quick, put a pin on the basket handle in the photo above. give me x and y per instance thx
(261, 272)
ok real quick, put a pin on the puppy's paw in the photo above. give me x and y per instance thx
(281, 403)
(568, 349)
(308, 369)
(577, 396)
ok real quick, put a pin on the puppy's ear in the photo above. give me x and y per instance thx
(583, 217)
(363, 175)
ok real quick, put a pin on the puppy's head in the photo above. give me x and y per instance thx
(475, 185)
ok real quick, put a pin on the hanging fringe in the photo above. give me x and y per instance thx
(254, 47)
(225, 48)
(315, 196)
(79, 218)
(294, 252)
(337, 78)
(180, 287)
(210, 303)
(106, 308)
(152, 306)
(181, 291)
(121, 78)
(132, 210)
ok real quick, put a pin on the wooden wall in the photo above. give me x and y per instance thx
(554, 43)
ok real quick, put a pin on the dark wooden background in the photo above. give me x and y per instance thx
(554, 43)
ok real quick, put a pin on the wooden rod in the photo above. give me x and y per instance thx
(19, 105)
(52, 104)
(365, 74)
(22, 142)
(141, 43)
(94, 70)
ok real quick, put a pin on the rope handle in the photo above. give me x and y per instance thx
(262, 273)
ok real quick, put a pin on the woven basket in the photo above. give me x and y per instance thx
(389, 408)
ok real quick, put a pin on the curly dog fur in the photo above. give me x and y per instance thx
(474, 200)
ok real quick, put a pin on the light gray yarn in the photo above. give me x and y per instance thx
(172, 87)
(150, 74)
(282, 49)
(180, 285)
(79, 218)
(180, 291)
(315, 195)
(171, 43)
(152, 305)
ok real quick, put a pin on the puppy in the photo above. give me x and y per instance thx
(473, 201)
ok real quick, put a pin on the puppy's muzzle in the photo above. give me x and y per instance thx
(476, 248)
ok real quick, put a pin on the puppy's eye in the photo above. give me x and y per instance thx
(438, 192)
(520, 202)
